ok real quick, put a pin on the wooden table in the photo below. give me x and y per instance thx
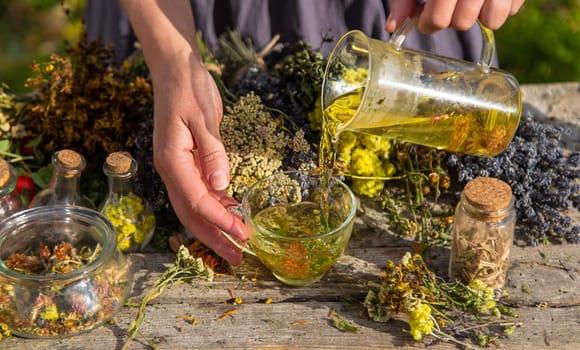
(543, 285)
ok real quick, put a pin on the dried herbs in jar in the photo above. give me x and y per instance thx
(128, 211)
(61, 273)
(483, 232)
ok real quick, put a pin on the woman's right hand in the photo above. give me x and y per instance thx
(434, 15)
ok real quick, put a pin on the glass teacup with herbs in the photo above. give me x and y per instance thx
(61, 273)
(294, 231)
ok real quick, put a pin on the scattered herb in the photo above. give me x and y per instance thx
(449, 311)
(342, 324)
(227, 314)
(189, 319)
(185, 269)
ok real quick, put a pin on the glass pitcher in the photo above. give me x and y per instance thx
(381, 88)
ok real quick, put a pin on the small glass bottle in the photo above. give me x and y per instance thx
(64, 186)
(129, 212)
(10, 201)
(483, 232)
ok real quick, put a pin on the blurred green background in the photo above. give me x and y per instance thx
(539, 45)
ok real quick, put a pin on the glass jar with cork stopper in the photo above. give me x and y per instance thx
(483, 232)
(64, 186)
(129, 212)
(10, 201)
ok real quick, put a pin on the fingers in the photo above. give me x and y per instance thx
(214, 162)
(436, 15)
(457, 14)
(201, 211)
(399, 11)
(205, 131)
(516, 6)
(214, 239)
(494, 13)
(465, 14)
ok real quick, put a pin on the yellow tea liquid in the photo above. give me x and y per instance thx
(293, 253)
(479, 132)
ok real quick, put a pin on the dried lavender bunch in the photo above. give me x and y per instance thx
(544, 180)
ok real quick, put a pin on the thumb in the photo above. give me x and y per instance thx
(213, 159)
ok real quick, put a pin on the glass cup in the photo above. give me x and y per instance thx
(289, 232)
(381, 88)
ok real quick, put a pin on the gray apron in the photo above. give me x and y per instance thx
(318, 22)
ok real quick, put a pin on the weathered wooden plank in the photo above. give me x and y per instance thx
(298, 317)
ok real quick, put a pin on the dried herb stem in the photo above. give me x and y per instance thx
(185, 269)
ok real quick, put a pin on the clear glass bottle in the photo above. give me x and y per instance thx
(10, 201)
(483, 232)
(64, 186)
(129, 212)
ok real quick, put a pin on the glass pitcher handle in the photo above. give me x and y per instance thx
(487, 48)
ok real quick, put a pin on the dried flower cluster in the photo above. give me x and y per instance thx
(365, 159)
(256, 143)
(87, 103)
(9, 128)
(4, 331)
(185, 269)
(450, 311)
(14, 134)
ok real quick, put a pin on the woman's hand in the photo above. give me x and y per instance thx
(434, 15)
(192, 161)
(188, 152)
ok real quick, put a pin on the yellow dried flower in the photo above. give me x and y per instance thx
(50, 313)
(132, 221)
(420, 321)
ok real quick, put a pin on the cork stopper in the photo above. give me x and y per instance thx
(488, 193)
(69, 158)
(4, 172)
(119, 162)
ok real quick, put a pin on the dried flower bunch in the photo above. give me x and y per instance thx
(448, 311)
(257, 143)
(87, 103)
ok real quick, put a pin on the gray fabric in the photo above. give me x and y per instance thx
(105, 19)
(318, 22)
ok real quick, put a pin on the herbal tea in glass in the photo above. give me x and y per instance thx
(288, 231)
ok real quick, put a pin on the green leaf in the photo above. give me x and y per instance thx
(42, 177)
(342, 324)
(5, 146)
